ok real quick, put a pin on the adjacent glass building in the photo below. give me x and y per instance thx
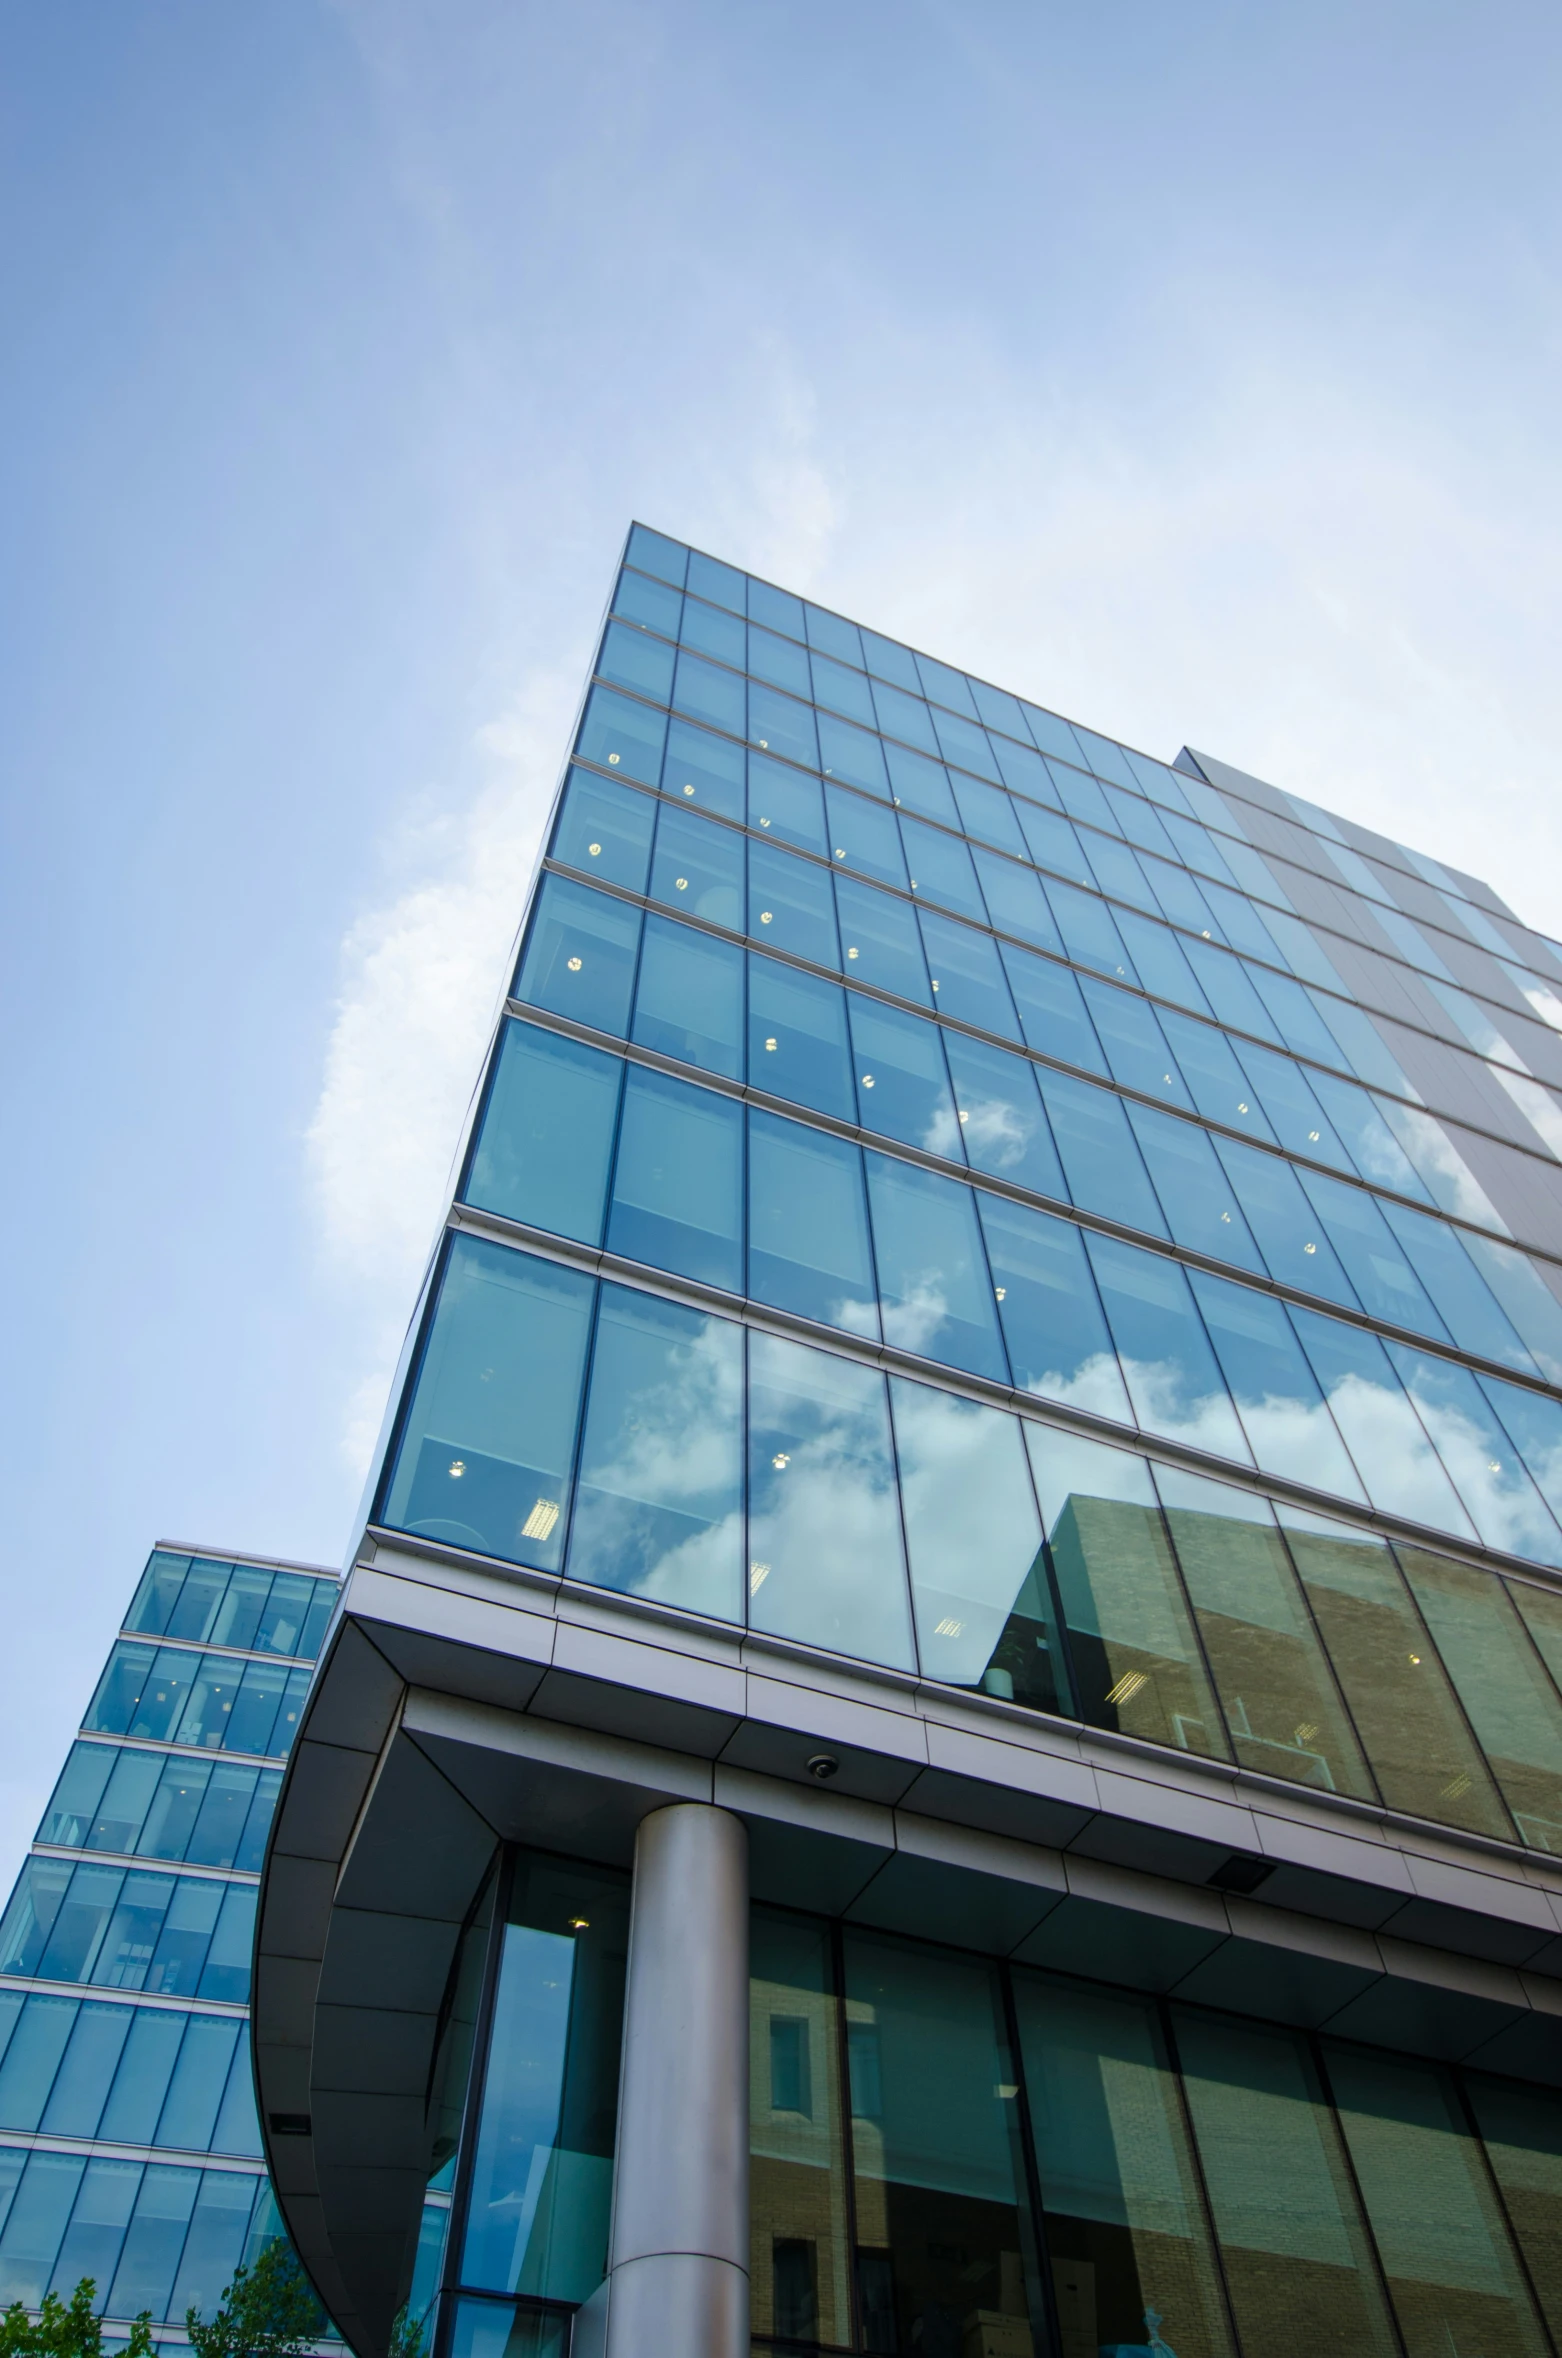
(946, 1732)
(129, 2146)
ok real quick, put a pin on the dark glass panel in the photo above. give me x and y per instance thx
(580, 955)
(1053, 1325)
(689, 1002)
(808, 1225)
(1508, 1697)
(1003, 1126)
(546, 1142)
(934, 1291)
(1521, 2129)
(797, 2167)
(678, 1180)
(797, 1043)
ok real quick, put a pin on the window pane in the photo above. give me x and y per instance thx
(1415, 1735)
(215, 2242)
(1506, 1508)
(710, 631)
(690, 1000)
(154, 2241)
(791, 906)
(934, 1289)
(1381, 1429)
(967, 976)
(654, 553)
(797, 1044)
(825, 1561)
(546, 1141)
(1290, 1234)
(1089, 935)
(851, 754)
(800, 2250)
(678, 1180)
(879, 941)
(1101, 1162)
(1051, 1314)
(217, 1835)
(920, 784)
(1162, 968)
(778, 724)
(902, 1087)
(1508, 1698)
(863, 836)
(1298, 2263)
(703, 692)
(1220, 1088)
(141, 2083)
(35, 2224)
(1051, 1010)
(939, 867)
(225, 1974)
(655, 603)
(200, 2075)
(1521, 2129)
(580, 955)
(1125, 2224)
(1277, 1395)
(774, 658)
(157, 1593)
(1015, 901)
(808, 1225)
(659, 1510)
(1385, 1284)
(987, 813)
(698, 869)
(1464, 1301)
(785, 803)
(1282, 1708)
(1002, 1125)
(32, 2059)
(606, 830)
(1534, 1424)
(190, 1919)
(1194, 1194)
(1135, 1044)
(964, 742)
(92, 2241)
(978, 1579)
(617, 733)
(1137, 1665)
(73, 1805)
(1451, 2270)
(485, 1454)
(703, 770)
(1172, 1377)
(1300, 1123)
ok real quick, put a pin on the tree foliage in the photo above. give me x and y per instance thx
(66, 2329)
(268, 2311)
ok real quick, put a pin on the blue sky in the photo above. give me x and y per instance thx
(1193, 370)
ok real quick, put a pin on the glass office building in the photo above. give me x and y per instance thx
(129, 2146)
(946, 1731)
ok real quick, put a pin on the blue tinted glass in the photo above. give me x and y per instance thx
(1374, 1151)
(785, 802)
(1051, 733)
(43, 2035)
(703, 770)
(1157, 956)
(154, 2240)
(616, 733)
(705, 693)
(1526, 1297)
(1534, 1425)
(1289, 1233)
(1167, 788)
(709, 631)
(1025, 772)
(1052, 1322)
(967, 976)
(1140, 824)
(965, 744)
(659, 1502)
(580, 955)
(678, 1180)
(808, 1225)
(918, 784)
(1277, 1395)
(905, 717)
(1243, 928)
(779, 662)
(1181, 899)
(1386, 1286)
(1299, 1121)
(779, 724)
(940, 869)
(834, 635)
(987, 813)
(797, 1044)
(543, 1151)
(1054, 845)
(840, 690)
(1465, 1302)
(888, 660)
(1002, 1125)
(863, 835)
(73, 1810)
(880, 944)
(1296, 1019)
(777, 609)
(145, 2069)
(484, 1455)
(1051, 1010)
(1487, 1471)
(1016, 902)
(791, 905)
(1220, 1088)
(205, 2056)
(1176, 1387)
(654, 553)
(1226, 986)
(1381, 1430)
(698, 868)
(998, 709)
(1360, 1047)
(902, 1088)
(655, 603)
(824, 1520)
(630, 658)
(1117, 871)
(850, 753)
(946, 687)
(689, 1003)
(711, 579)
(92, 2241)
(1134, 1042)
(1195, 1195)
(36, 2222)
(1101, 1162)
(1105, 757)
(1083, 799)
(1089, 935)
(934, 1291)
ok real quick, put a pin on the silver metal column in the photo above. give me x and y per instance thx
(678, 2273)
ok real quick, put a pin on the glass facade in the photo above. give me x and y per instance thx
(129, 2145)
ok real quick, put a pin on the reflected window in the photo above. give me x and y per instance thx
(934, 1291)
(689, 1003)
(797, 1043)
(902, 1086)
(678, 1180)
(580, 955)
(1172, 1377)
(546, 1141)
(1053, 1324)
(1003, 1127)
(797, 2169)
(1504, 1686)
(808, 1225)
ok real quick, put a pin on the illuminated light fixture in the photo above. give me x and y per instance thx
(1494, 1465)
(867, 1080)
(1166, 1077)
(1305, 1733)
(1006, 2091)
(999, 1292)
(580, 1923)
(1204, 937)
(913, 884)
(1314, 1135)
(765, 916)
(595, 850)
(1456, 1787)
(539, 1523)
(965, 1117)
(770, 1047)
(840, 855)
(829, 773)
(948, 1628)
(574, 966)
(682, 883)
(1241, 1109)
(932, 978)
(1226, 1216)
(1128, 1686)
(763, 743)
(457, 1468)
(851, 953)
(1309, 1248)
(688, 789)
(1415, 1657)
(612, 761)
(781, 1460)
(758, 1574)
(764, 822)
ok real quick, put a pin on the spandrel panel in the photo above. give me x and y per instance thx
(825, 1556)
(580, 955)
(704, 771)
(1100, 1159)
(546, 1142)
(1416, 1736)
(1136, 1661)
(1003, 1126)
(659, 1500)
(902, 1086)
(1049, 1309)
(797, 1040)
(1508, 1696)
(1503, 1503)
(934, 1291)
(1051, 1011)
(785, 803)
(800, 2249)
(791, 906)
(1298, 2262)
(1283, 1710)
(1125, 2221)
(1521, 2130)
(484, 1457)
(697, 869)
(1278, 1398)
(606, 830)
(1380, 1428)
(967, 976)
(1194, 1193)
(689, 1002)
(1171, 1372)
(978, 1579)
(880, 944)
(808, 1225)
(678, 1180)
(1451, 2268)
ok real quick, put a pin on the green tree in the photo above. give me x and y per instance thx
(268, 2310)
(407, 2336)
(66, 2329)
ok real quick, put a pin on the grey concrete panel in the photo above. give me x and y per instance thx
(878, 1752)
(299, 1892)
(1104, 1942)
(283, 2073)
(355, 1694)
(285, 1999)
(325, 1789)
(1163, 1829)
(414, 1813)
(358, 2128)
(1033, 1794)
(373, 2047)
(1429, 2003)
(983, 1912)
(1283, 1967)
(386, 1960)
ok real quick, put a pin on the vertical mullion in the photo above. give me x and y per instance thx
(1321, 2067)
(1168, 2030)
(1467, 2109)
(848, 2150)
(461, 2196)
(1029, 2161)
